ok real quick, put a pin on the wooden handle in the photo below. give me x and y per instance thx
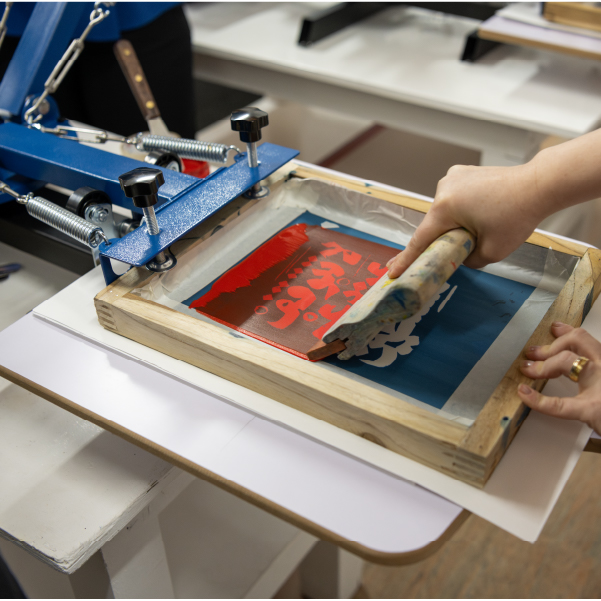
(394, 300)
(130, 65)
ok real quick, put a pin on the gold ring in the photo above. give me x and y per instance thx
(577, 367)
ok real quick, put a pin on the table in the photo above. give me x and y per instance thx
(102, 517)
(401, 68)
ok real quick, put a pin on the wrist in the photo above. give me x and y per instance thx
(534, 188)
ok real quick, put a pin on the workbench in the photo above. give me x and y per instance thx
(401, 69)
(89, 514)
(104, 512)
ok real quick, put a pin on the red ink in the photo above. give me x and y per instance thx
(294, 287)
(292, 309)
(328, 312)
(280, 247)
(328, 273)
(355, 294)
(377, 271)
(348, 256)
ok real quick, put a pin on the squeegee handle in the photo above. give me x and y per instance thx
(391, 301)
(437, 264)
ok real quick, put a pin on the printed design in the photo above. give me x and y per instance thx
(293, 288)
(400, 334)
(425, 357)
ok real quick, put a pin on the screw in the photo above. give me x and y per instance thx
(96, 214)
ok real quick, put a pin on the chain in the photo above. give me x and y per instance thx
(3, 27)
(66, 62)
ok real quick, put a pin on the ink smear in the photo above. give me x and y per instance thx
(425, 358)
(293, 288)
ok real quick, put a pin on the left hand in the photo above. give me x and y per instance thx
(556, 359)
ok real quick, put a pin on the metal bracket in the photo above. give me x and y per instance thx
(192, 207)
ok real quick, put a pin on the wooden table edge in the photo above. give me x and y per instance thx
(366, 553)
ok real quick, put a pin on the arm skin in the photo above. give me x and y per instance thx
(501, 206)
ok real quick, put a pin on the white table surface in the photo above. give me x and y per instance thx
(185, 413)
(404, 55)
(46, 453)
(347, 497)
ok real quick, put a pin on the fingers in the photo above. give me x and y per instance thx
(426, 233)
(555, 366)
(575, 340)
(566, 408)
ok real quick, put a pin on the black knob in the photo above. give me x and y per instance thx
(249, 122)
(142, 184)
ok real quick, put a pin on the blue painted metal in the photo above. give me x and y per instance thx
(192, 207)
(18, 184)
(46, 37)
(105, 264)
(66, 163)
(50, 119)
(29, 157)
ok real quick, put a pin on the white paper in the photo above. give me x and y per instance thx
(531, 265)
(518, 498)
(544, 449)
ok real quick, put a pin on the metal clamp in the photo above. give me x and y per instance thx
(66, 62)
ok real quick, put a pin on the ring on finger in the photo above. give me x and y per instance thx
(577, 367)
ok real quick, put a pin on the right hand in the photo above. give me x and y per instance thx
(556, 359)
(500, 206)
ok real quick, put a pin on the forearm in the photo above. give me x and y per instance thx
(567, 174)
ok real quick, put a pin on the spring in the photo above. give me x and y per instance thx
(60, 219)
(187, 149)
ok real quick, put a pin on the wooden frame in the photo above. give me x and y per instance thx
(576, 14)
(467, 453)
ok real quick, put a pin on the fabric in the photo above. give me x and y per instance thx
(96, 92)
(425, 357)
(124, 16)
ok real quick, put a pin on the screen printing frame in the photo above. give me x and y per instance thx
(468, 453)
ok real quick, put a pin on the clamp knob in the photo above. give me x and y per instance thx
(142, 185)
(249, 122)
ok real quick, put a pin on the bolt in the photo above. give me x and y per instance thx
(96, 214)
(44, 107)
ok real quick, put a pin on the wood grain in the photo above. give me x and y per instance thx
(303, 385)
(576, 14)
(469, 454)
(505, 412)
(482, 561)
(504, 38)
(569, 247)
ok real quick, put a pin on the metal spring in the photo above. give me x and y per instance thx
(187, 149)
(87, 233)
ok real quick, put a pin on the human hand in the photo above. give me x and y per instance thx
(500, 206)
(556, 359)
